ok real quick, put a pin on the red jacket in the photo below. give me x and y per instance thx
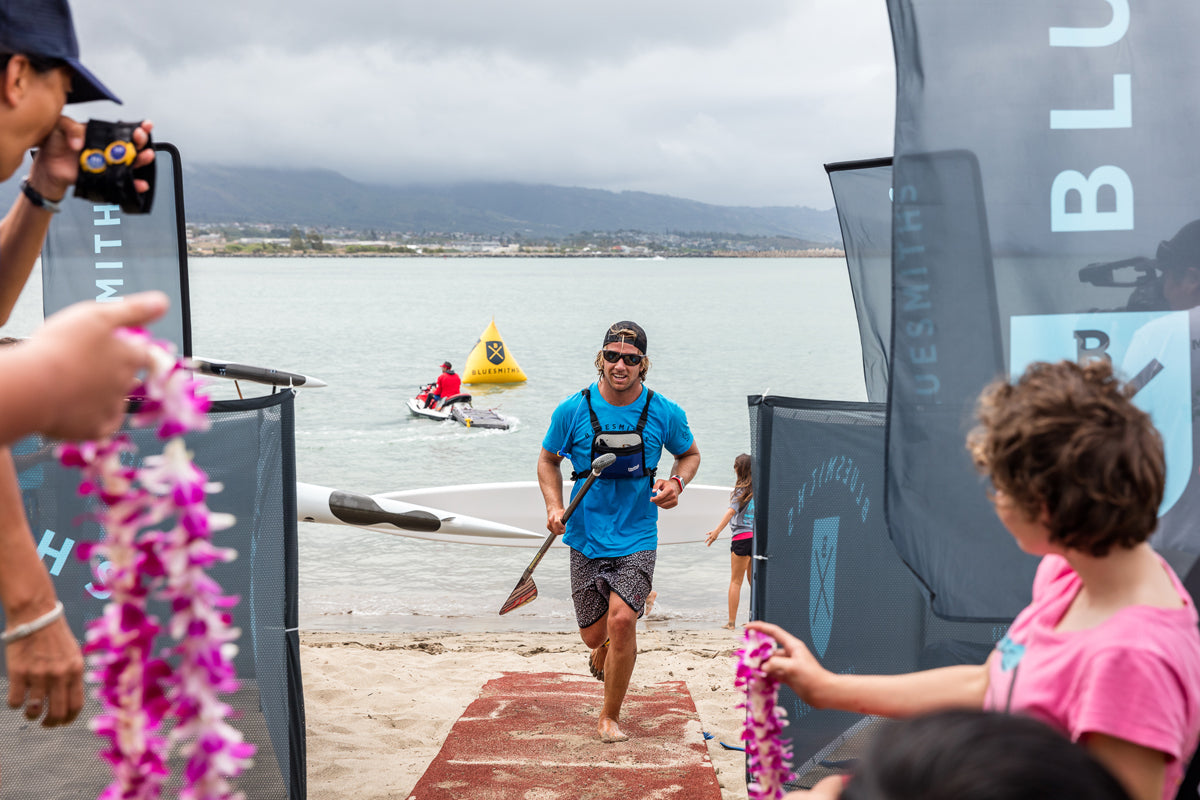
(448, 384)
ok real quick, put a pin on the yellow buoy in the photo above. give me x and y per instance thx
(490, 361)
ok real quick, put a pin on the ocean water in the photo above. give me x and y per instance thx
(375, 329)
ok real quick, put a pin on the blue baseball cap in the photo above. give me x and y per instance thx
(44, 28)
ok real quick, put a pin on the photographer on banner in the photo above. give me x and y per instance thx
(69, 380)
(1170, 281)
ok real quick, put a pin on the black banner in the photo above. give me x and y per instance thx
(98, 252)
(1031, 198)
(862, 192)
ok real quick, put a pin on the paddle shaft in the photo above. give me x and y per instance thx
(591, 478)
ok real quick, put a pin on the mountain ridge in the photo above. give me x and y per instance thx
(327, 200)
(215, 194)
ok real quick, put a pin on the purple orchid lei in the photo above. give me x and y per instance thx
(157, 543)
(768, 757)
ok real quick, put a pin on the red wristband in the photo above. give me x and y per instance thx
(678, 480)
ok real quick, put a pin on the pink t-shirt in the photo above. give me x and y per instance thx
(1134, 677)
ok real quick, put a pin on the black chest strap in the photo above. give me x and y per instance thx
(597, 430)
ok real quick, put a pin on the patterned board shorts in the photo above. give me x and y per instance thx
(592, 579)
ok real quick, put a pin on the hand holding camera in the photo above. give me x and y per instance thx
(108, 162)
(108, 166)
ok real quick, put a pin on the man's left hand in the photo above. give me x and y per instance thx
(666, 494)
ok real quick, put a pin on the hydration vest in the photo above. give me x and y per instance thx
(627, 446)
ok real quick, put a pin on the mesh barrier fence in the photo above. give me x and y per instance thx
(826, 570)
(250, 449)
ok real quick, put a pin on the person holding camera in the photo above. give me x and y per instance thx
(70, 379)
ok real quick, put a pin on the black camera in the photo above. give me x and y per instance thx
(1143, 275)
(106, 171)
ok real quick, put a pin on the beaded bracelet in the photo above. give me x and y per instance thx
(29, 628)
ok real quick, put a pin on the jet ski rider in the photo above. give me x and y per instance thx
(448, 384)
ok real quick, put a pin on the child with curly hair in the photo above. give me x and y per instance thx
(1108, 651)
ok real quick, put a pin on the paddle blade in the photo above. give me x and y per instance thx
(526, 592)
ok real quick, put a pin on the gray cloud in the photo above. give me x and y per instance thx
(725, 103)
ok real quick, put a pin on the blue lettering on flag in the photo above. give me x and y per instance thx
(1150, 348)
(821, 581)
(46, 548)
(102, 571)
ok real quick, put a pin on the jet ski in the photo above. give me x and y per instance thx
(458, 408)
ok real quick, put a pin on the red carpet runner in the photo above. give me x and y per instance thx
(532, 736)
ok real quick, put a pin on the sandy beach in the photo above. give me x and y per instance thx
(379, 706)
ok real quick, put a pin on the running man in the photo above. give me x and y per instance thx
(613, 534)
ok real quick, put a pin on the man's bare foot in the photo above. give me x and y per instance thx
(596, 661)
(650, 598)
(609, 732)
(730, 626)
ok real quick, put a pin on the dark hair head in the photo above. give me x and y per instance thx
(1067, 439)
(631, 333)
(743, 479)
(1181, 251)
(626, 331)
(952, 755)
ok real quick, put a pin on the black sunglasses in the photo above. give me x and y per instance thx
(630, 359)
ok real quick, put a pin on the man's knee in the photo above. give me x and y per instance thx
(621, 619)
(594, 635)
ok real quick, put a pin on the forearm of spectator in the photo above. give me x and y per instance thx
(23, 229)
(906, 695)
(25, 588)
(22, 232)
(45, 668)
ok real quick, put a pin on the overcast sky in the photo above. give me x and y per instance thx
(732, 103)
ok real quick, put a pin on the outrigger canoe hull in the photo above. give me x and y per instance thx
(399, 518)
(499, 514)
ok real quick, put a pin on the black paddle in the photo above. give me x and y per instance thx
(526, 591)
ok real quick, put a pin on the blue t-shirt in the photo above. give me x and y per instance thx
(616, 517)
